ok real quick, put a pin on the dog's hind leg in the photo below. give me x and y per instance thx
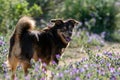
(26, 64)
(13, 62)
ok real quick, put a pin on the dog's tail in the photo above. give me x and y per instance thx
(24, 24)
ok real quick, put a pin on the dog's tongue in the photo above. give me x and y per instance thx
(68, 39)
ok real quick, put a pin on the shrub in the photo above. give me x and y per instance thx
(12, 10)
(97, 16)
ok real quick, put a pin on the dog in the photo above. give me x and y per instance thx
(27, 43)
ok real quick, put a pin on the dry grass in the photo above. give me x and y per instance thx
(72, 55)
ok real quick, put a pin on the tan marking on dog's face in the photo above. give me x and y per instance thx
(61, 36)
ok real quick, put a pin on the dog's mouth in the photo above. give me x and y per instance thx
(67, 38)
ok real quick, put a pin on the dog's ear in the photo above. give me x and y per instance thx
(75, 22)
(57, 21)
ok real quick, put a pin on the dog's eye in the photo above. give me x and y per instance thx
(63, 30)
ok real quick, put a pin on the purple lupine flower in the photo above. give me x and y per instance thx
(107, 53)
(7, 76)
(16, 78)
(5, 51)
(92, 65)
(66, 71)
(81, 69)
(60, 75)
(58, 67)
(98, 71)
(58, 56)
(54, 63)
(112, 69)
(44, 64)
(117, 3)
(70, 66)
(5, 67)
(113, 77)
(108, 64)
(37, 66)
(52, 73)
(44, 70)
(74, 71)
(39, 60)
(71, 73)
(78, 33)
(77, 78)
(88, 75)
(103, 34)
(86, 66)
(42, 78)
(19, 67)
(2, 42)
(27, 77)
(102, 61)
(102, 71)
(84, 59)
(98, 55)
(96, 79)
(98, 47)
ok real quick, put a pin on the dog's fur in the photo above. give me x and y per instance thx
(27, 43)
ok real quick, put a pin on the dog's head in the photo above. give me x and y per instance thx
(64, 28)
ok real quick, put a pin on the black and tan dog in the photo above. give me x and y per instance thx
(27, 43)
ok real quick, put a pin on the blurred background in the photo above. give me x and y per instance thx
(99, 19)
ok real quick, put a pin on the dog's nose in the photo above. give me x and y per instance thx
(70, 33)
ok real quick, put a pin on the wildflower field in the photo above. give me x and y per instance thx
(98, 62)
